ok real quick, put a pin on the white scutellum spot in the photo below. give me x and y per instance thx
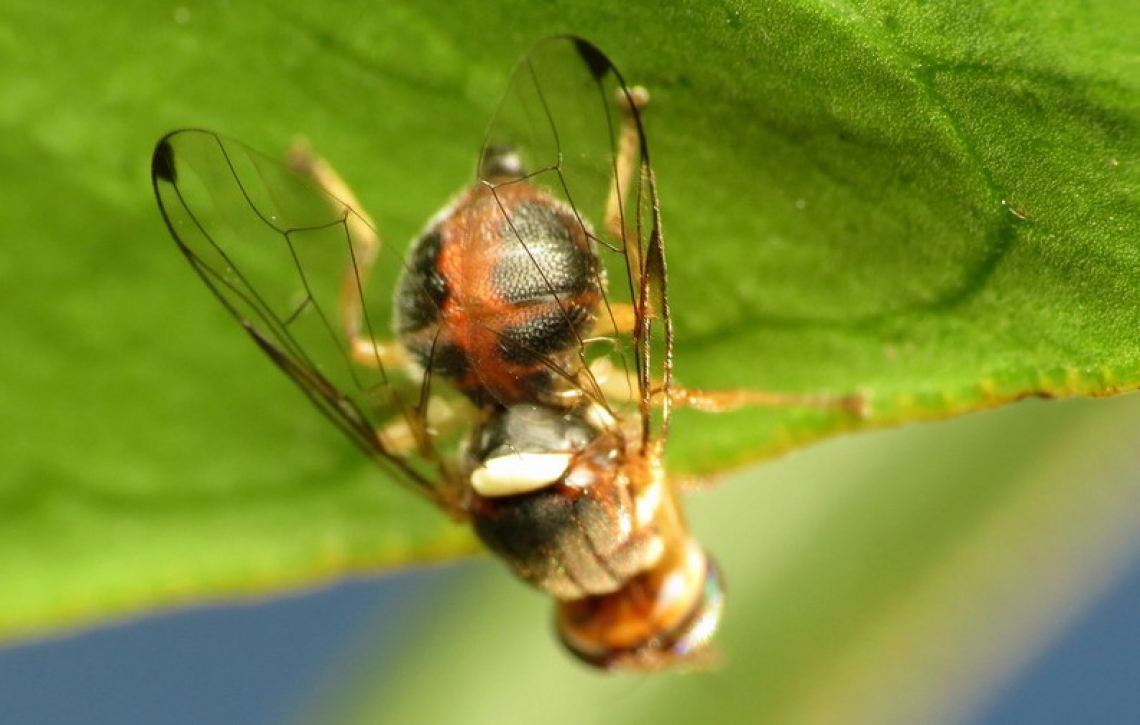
(517, 473)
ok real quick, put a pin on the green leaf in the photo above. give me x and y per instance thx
(932, 205)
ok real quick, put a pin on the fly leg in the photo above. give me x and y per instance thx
(621, 386)
(423, 416)
(729, 399)
(624, 318)
(621, 318)
(630, 102)
(365, 349)
(402, 435)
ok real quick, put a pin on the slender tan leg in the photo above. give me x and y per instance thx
(620, 386)
(621, 317)
(364, 349)
(629, 147)
(419, 424)
(403, 435)
(729, 399)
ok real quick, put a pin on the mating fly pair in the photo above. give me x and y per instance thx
(526, 384)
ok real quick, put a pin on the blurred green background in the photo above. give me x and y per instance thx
(895, 576)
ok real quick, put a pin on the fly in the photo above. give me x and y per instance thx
(526, 384)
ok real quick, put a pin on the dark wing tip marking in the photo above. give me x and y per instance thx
(595, 60)
(162, 163)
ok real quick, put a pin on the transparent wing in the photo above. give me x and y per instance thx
(576, 127)
(286, 260)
